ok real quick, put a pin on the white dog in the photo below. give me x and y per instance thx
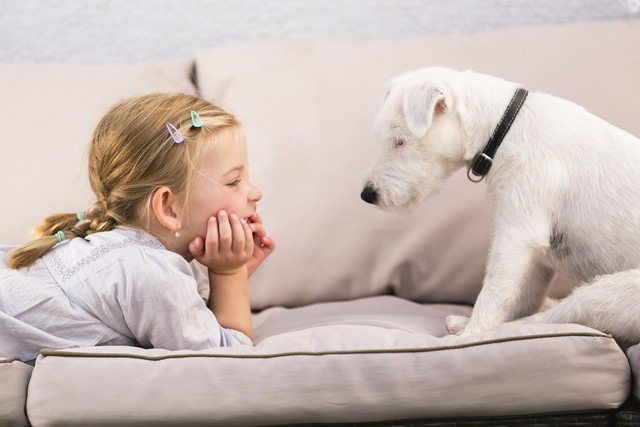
(564, 186)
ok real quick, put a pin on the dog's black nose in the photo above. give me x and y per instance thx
(369, 195)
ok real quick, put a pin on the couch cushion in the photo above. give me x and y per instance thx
(49, 112)
(14, 378)
(375, 359)
(308, 107)
(633, 353)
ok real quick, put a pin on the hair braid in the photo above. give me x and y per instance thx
(101, 218)
(68, 224)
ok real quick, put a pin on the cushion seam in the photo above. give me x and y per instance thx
(71, 353)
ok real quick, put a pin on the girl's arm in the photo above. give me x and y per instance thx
(228, 246)
(229, 300)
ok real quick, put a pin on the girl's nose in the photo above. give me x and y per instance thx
(255, 194)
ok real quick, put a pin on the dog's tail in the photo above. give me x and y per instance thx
(609, 304)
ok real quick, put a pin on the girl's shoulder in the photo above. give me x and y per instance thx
(122, 237)
(78, 257)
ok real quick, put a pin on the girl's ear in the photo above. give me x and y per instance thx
(166, 208)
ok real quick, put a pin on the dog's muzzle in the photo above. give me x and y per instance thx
(369, 194)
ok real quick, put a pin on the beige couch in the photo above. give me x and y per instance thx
(350, 308)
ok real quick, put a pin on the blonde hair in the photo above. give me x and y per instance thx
(131, 155)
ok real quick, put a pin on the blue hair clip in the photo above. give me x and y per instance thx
(175, 133)
(80, 216)
(196, 120)
(60, 236)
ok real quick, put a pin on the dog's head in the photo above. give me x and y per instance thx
(422, 139)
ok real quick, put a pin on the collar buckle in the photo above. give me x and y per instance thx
(483, 161)
(480, 167)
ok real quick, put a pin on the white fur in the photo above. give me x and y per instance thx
(564, 189)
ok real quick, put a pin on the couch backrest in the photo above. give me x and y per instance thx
(308, 107)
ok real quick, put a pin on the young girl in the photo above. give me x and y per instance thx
(171, 179)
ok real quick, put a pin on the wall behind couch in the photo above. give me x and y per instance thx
(117, 31)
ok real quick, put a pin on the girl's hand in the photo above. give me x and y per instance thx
(228, 245)
(263, 245)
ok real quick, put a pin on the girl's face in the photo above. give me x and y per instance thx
(221, 183)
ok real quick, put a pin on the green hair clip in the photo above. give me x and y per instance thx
(196, 121)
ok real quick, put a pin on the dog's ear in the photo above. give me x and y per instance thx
(387, 90)
(420, 104)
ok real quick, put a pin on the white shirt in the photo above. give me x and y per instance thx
(118, 287)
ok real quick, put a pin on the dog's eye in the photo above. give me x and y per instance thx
(398, 142)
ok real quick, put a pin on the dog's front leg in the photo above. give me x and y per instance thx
(530, 301)
(510, 260)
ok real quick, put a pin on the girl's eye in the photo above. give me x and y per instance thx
(233, 183)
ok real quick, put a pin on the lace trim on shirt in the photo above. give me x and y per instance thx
(65, 273)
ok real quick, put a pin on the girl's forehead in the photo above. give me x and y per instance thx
(227, 138)
(229, 147)
(225, 154)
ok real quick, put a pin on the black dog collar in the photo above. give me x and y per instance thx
(482, 162)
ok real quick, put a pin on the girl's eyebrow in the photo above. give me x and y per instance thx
(234, 170)
(239, 168)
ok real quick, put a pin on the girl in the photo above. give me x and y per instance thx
(171, 179)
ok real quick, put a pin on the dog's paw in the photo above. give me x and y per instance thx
(456, 324)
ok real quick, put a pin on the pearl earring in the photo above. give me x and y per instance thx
(176, 233)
